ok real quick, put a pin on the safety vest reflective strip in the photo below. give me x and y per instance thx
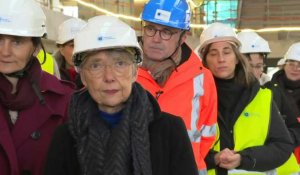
(271, 172)
(255, 120)
(194, 133)
(48, 65)
(202, 172)
(184, 96)
(205, 131)
(243, 172)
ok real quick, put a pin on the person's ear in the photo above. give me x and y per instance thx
(183, 38)
(82, 77)
(134, 73)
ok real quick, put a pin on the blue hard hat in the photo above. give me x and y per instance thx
(172, 13)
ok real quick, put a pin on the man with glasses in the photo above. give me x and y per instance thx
(288, 79)
(174, 74)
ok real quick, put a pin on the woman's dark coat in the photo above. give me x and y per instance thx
(170, 149)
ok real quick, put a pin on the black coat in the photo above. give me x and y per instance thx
(278, 145)
(291, 91)
(170, 148)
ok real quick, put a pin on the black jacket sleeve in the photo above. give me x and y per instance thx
(288, 113)
(210, 159)
(182, 157)
(171, 150)
(61, 159)
(277, 149)
(290, 118)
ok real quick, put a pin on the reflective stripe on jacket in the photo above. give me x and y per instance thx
(191, 94)
(251, 129)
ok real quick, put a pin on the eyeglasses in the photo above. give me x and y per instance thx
(164, 34)
(294, 64)
(119, 67)
(258, 66)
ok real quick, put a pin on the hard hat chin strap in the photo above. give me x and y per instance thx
(34, 84)
(176, 49)
(45, 54)
(21, 73)
(173, 53)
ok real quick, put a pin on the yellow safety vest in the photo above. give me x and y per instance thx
(48, 65)
(251, 129)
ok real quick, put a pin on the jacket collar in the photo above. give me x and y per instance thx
(51, 83)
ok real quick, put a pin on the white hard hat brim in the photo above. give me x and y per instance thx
(229, 39)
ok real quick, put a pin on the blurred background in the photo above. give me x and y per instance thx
(278, 21)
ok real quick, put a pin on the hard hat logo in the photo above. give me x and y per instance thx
(103, 38)
(252, 43)
(5, 19)
(68, 29)
(22, 18)
(104, 32)
(162, 15)
(171, 13)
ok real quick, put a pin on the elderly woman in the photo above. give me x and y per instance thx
(253, 138)
(32, 102)
(116, 127)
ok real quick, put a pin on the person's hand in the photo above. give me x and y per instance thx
(228, 159)
(217, 158)
(221, 156)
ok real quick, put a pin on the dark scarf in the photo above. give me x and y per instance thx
(123, 150)
(27, 84)
(229, 94)
(292, 85)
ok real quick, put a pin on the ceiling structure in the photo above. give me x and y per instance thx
(254, 14)
(268, 13)
(241, 14)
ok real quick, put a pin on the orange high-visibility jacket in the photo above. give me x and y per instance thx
(191, 94)
(297, 154)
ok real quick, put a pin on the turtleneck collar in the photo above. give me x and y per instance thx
(289, 84)
(229, 93)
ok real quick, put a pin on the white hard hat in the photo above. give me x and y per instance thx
(252, 43)
(217, 32)
(22, 18)
(281, 62)
(293, 52)
(68, 29)
(105, 32)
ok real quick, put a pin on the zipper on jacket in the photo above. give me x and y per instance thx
(158, 93)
